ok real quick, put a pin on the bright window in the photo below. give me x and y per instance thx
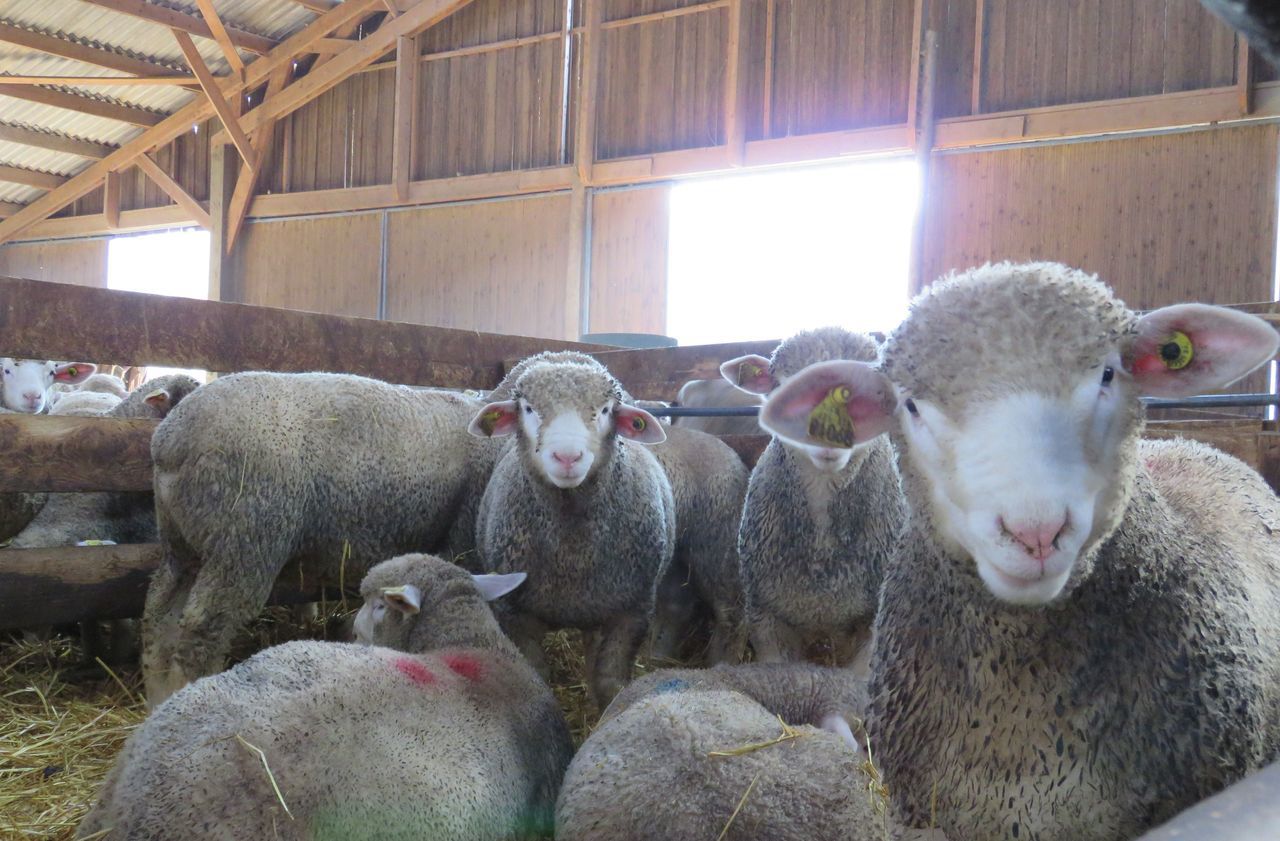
(766, 255)
(169, 263)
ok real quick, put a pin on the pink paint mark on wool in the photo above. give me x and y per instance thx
(465, 666)
(415, 671)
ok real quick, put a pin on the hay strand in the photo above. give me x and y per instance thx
(270, 776)
(741, 802)
(788, 733)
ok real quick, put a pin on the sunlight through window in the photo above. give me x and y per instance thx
(763, 256)
(172, 263)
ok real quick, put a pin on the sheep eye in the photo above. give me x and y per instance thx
(1108, 374)
(911, 407)
(528, 410)
(605, 410)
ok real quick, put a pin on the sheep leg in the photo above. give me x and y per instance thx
(728, 641)
(527, 631)
(620, 642)
(854, 651)
(166, 597)
(775, 641)
(677, 605)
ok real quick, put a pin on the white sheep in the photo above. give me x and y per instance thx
(717, 394)
(26, 385)
(254, 470)
(452, 735)
(582, 507)
(1079, 634)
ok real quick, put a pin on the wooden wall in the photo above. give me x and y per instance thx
(499, 266)
(330, 265)
(629, 233)
(83, 262)
(1188, 216)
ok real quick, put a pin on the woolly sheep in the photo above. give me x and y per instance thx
(1080, 633)
(256, 469)
(651, 772)
(84, 403)
(98, 383)
(819, 523)
(707, 394)
(26, 385)
(458, 738)
(579, 505)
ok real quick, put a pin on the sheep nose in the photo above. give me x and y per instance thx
(567, 460)
(31, 396)
(1038, 537)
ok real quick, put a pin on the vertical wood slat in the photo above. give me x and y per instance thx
(979, 55)
(406, 87)
(735, 93)
(1245, 75)
(585, 131)
(917, 63)
(111, 200)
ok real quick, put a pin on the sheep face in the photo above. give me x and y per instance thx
(567, 419)
(1012, 393)
(27, 381)
(402, 592)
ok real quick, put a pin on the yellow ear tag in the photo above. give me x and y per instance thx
(638, 424)
(71, 372)
(829, 422)
(489, 420)
(1176, 352)
(748, 371)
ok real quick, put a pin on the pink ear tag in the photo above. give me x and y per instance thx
(829, 421)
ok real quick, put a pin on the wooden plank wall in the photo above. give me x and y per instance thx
(82, 262)
(629, 234)
(1176, 217)
(492, 265)
(328, 265)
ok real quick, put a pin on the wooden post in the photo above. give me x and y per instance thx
(405, 109)
(917, 62)
(766, 111)
(222, 180)
(735, 89)
(577, 289)
(924, 152)
(111, 200)
(585, 130)
(979, 57)
(1244, 74)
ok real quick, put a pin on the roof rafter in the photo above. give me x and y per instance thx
(180, 122)
(82, 104)
(31, 177)
(78, 52)
(8, 208)
(320, 6)
(54, 142)
(220, 35)
(230, 119)
(251, 41)
(174, 190)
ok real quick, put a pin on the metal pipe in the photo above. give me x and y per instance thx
(1201, 401)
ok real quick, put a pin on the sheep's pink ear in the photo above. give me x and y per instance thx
(637, 424)
(158, 399)
(494, 586)
(749, 373)
(831, 404)
(74, 372)
(495, 420)
(406, 598)
(1192, 348)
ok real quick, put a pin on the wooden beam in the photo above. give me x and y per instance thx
(424, 14)
(229, 117)
(654, 17)
(102, 81)
(221, 184)
(584, 151)
(111, 200)
(977, 90)
(220, 35)
(770, 38)
(402, 133)
(54, 142)
(917, 64)
(41, 587)
(174, 190)
(83, 105)
(172, 19)
(735, 85)
(46, 320)
(61, 453)
(577, 288)
(92, 224)
(247, 181)
(181, 121)
(321, 6)
(77, 52)
(658, 374)
(1245, 76)
(8, 208)
(31, 177)
(924, 158)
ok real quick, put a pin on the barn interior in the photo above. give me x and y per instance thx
(426, 191)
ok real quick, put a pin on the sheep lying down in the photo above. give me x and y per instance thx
(438, 731)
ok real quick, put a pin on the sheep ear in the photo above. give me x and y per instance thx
(495, 420)
(73, 372)
(1192, 348)
(831, 404)
(749, 373)
(158, 398)
(493, 587)
(406, 598)
(637, 424)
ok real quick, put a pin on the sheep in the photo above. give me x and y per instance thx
(709, 764)
(448, 733)
(1079, 634)
(818, 523)
(579, 505)
(697, 394)
(26, 384)
(255, 470)
(84, 403)
(99, 383)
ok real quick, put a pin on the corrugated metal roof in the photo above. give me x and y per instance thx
(96, 26)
